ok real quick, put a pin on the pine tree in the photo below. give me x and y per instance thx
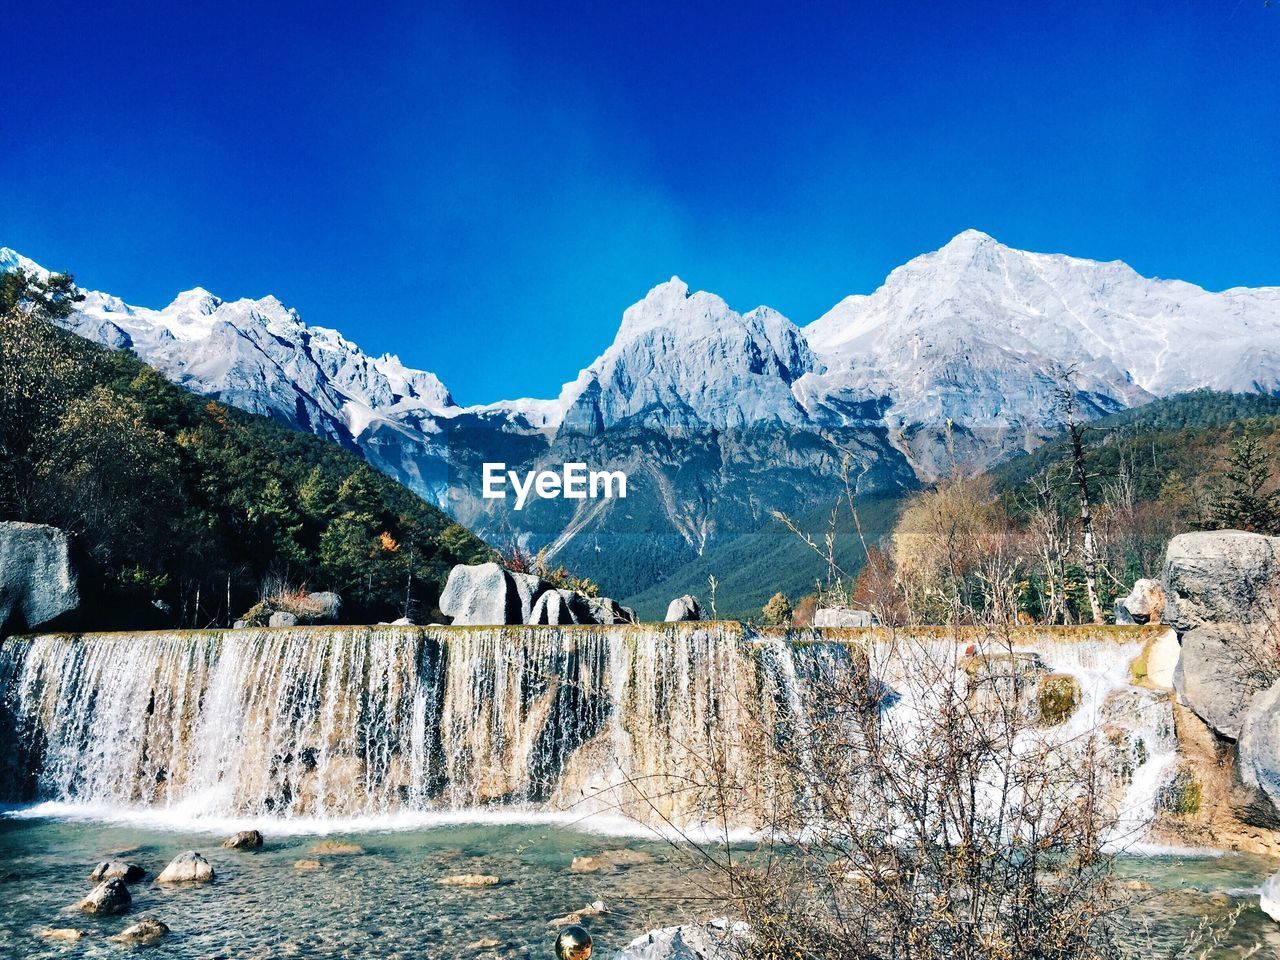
(1243, 504)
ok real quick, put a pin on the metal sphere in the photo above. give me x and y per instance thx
(574, 943)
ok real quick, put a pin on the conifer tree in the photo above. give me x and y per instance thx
(1244, 503)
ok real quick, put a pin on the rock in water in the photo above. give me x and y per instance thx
(1218, 674)
(609, 861)
(282, 619)
(1269, 897)
(683, 609)
(108, 898)
(117, 870)
(1144, 604)
(244, 840)
(834, 617)
(187, 867)
(37, 578)
(63, 934)
(146, 930)
(470, 880)
(1223, 576)
(484, 594)
(337, 848)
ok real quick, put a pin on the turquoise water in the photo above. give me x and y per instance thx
(386, 902)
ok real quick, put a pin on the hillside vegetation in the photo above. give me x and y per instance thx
(185, 510)
(1057, 536)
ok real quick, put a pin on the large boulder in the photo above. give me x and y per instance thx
(187, 867)
(282, 618)
(682, 609)
(560, 607)
(108, 898)
(1223, 576)
(485, 594)
(844, 617)
(1144, 604)
(1221, 669)
(605, 610)
(37, 578)
(1258, 754)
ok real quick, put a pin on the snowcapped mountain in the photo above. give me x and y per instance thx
(684, 358)
(720, 416)
(975, 332)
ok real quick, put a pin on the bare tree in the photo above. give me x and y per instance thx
(1068, 400)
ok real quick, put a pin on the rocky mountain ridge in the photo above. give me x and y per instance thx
(721, 417)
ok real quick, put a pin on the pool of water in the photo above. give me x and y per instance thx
(386, 902)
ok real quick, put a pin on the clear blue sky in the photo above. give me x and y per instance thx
(483, 188)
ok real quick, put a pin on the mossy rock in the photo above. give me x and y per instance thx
(1182, 795)
(1059, 696)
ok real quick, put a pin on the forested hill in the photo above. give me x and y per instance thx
(1174, 448)
(185, 510)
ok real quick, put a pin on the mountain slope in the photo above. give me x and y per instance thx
(185, 508)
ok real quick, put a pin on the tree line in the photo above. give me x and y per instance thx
(185, 510)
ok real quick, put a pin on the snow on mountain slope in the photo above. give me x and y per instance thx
(975, 332)
(260, 356)
(681, 358)
(954, 358)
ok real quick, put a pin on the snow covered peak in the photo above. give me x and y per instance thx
(682, 357)
(13, 260)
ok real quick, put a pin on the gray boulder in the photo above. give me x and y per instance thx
(485, 594)
(1219, 672)
(606, 610)
(244, 840)
(1258, 754)
(282, 619)
(682, 609)
(843, 617)
(37, 577)
(1144, 604)
(1223, 576)
(108, 898)
(117, 870)
(187, 867)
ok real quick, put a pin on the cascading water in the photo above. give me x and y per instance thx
(330, 723)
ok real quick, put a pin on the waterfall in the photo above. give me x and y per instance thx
(354, 722)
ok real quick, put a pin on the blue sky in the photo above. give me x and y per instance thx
(483, 188)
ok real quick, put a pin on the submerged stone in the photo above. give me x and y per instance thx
(146, 930)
